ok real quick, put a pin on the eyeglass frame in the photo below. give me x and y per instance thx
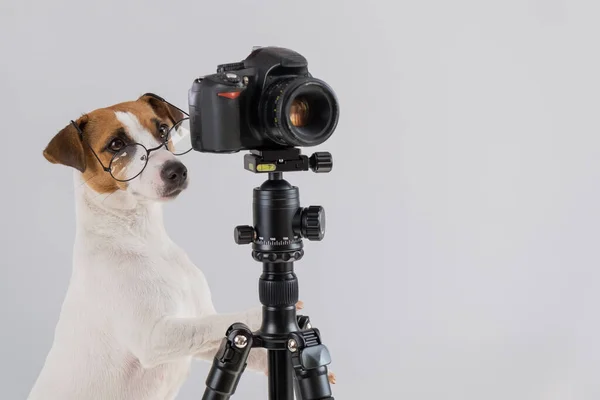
(148, 151)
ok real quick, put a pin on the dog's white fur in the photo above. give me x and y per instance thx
(137, 310)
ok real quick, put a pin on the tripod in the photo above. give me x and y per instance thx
(296, 357)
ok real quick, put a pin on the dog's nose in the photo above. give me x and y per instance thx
(174, 173)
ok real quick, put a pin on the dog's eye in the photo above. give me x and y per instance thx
(163, 130)
(116, 145)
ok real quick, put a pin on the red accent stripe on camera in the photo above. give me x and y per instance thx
(230, 95)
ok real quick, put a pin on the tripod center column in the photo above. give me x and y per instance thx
(277, 244)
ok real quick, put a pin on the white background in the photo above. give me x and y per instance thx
(461, 259)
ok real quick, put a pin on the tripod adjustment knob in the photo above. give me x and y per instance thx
(313, 223)
(321, 162)
(243, 234)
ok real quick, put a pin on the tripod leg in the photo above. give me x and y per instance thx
(281, 376)
(229, 363)
(309, 360)
(303, 323)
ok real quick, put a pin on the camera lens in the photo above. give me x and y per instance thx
(300, 112)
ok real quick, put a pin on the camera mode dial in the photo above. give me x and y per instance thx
(231, 77)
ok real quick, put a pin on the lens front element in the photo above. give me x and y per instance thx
(299, 112)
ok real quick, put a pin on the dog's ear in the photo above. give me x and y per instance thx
(67, 147)
(162, 108)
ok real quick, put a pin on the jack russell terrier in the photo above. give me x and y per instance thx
(137, 310)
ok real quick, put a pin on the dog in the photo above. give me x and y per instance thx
(137, 310)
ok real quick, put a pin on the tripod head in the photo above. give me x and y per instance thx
(279, 221)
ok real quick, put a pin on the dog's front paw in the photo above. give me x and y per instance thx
(331, 378)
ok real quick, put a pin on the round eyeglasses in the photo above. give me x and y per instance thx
(178, 139)
(130, 161)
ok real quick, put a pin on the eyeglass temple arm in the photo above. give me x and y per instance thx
(80, 132)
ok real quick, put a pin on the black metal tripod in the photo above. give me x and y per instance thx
(297, 358)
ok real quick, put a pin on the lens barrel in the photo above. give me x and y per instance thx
(299, 111)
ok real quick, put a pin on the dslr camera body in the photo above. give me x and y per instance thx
(269, 101)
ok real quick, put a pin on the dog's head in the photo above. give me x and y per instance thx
(96, 139)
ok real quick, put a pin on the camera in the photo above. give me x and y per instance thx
(268, 101)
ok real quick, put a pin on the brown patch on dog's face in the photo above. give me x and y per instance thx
(100, 128)
(165, 112)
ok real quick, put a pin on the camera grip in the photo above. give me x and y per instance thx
(215, 106)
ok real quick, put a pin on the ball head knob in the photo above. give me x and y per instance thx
(313, 223)
(243, 234)
(321, 162)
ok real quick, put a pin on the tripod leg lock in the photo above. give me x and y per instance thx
(229, 363)
(310, 359)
